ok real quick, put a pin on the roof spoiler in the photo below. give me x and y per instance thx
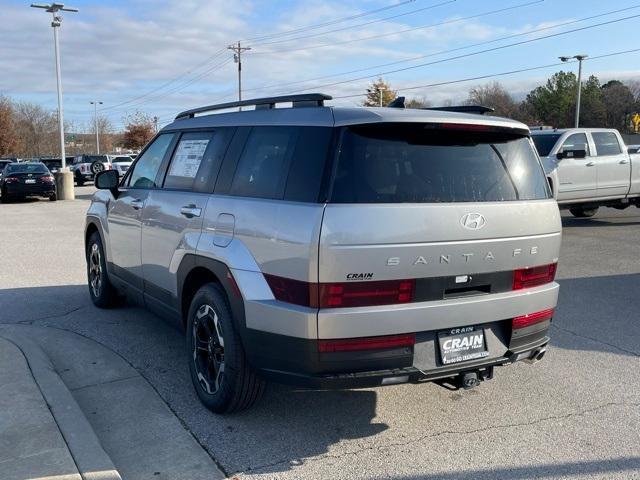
(399, 102)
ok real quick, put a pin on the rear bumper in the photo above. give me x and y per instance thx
(297, 361)
(23, 190)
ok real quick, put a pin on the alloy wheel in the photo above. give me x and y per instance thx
(95, 270)
(208, 349)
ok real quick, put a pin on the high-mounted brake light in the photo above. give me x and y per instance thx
(367, 343)
(534, 276)
(466, 127)
(531, 319)
(342, 295)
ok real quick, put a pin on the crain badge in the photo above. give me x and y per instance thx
(473, 221)
(359, 276)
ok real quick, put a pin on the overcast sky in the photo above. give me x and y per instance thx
(162, 57)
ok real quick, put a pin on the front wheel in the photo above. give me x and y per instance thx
(221, 375)
(79, 180)
(579, 212)
(102, 292)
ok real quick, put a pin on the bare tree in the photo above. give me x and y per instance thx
(9, 141)
(37, 129)
(494, 95)
(417, 102)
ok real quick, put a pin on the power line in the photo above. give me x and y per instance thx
(378, 20)
(500, 74)
(328, 23)
(441, 52)
(397, 32)
(479, 52)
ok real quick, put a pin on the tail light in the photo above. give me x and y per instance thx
(362, 294)
(342, 295)
(11, 180)
(532, 318)
(534, 276)
(367, 343)
(47, 178)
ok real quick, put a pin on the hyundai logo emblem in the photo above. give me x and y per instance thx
(473, 221)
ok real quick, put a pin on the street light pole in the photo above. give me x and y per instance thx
(54, 8)
(580, 58)
(95, 104)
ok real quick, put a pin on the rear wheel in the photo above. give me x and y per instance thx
(53, 197)
(4, 197)
(102, 292)
(79, 180)
(221, 375)
(583, 212)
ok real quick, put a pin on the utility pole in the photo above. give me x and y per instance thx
(237, 57)
(95, 104)
(580, 58)
(155, 124)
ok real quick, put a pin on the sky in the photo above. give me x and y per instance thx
(161, 57)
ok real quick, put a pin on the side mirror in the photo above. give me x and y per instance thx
(107, 180)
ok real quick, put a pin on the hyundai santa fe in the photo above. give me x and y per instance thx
(333, 247)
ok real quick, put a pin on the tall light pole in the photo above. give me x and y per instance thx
(237, 57)
(95, 104)
(380, 90)
(54, 10)
(580, 58)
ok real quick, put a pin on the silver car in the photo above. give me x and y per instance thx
(333, 247)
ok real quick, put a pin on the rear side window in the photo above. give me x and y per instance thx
(606, 143)
(413, 164)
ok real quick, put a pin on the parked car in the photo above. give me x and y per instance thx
(589, 168)
(85, 167)
(121, 163)
(333, 247)
(28, 179)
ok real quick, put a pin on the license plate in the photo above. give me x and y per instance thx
(461, 345)
(30, 180)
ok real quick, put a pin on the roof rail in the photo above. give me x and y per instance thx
(479, 109)
(301, 100)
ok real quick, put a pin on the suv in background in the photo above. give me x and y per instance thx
(333, 247)
(121, 163)
(86, 167)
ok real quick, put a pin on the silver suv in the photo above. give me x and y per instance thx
(333, 247)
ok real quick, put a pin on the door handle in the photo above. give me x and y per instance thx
(190, 211)
(623, 162)
(136, 204)
(590, 164)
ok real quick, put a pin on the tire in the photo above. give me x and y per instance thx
(53, 197)
(4, 198)
(96, 167)
(79, 180)
(102, 292)
(579, 212)
(221, 375)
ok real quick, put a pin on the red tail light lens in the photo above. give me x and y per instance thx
(367, 343)
(532, 319)
(47, 178)
(342, 295)
(10, 180)
(362, 294)
(534, 276)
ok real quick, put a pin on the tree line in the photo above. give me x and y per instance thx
(608, 105)
(29, 130)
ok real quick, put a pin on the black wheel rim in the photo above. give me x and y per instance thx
(95, 270)
(208, 349)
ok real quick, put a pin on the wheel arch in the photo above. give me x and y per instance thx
(194, 272)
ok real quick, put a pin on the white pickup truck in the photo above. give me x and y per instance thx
(589, 168)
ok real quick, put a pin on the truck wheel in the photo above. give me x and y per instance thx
(583, 212)
(221, 375)
(79, 180)
(96, 167)
(102, 292)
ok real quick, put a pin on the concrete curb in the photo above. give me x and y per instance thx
(92, 461)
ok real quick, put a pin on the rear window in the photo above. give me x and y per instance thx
(27, 168)
(412, 164)
(544, 143)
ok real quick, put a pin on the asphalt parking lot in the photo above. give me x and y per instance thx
(576, 414)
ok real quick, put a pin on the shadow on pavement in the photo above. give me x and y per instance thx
(560, 470)
(594, 314)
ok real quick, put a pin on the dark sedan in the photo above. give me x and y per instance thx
(21, 180)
